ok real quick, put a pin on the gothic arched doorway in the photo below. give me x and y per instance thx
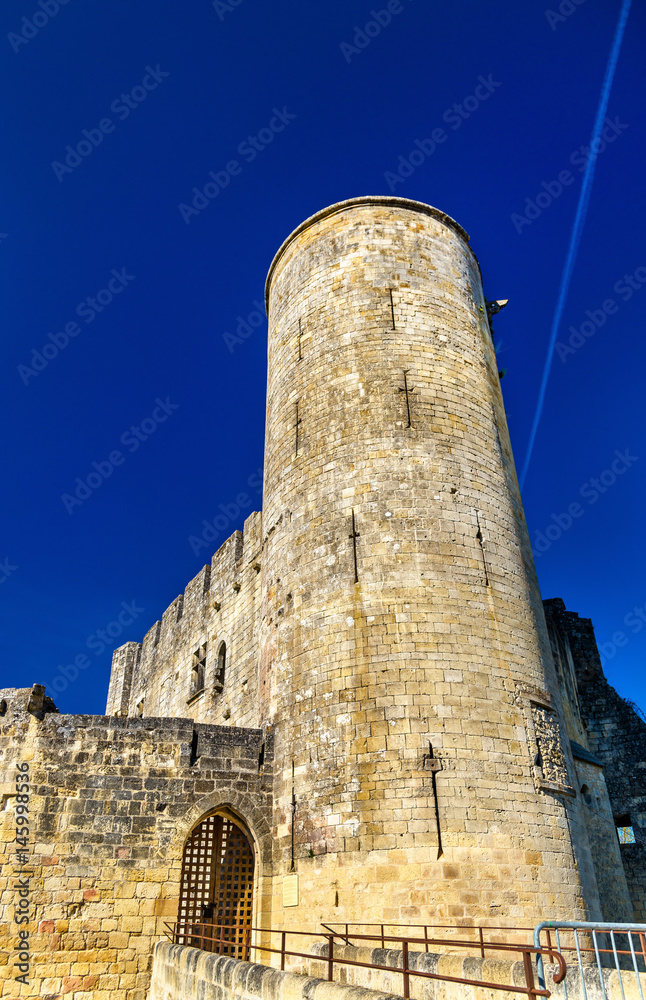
(216, 893)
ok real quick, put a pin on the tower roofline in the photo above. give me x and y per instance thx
(342, 206)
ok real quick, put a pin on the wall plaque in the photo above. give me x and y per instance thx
(290, 889)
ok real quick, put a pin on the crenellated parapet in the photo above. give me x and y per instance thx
(200, 659)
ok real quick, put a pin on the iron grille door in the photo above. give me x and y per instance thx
(216, 894)
(233, 895)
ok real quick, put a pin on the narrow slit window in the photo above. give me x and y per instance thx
(220, 668)
(297, 423)
(392, 308)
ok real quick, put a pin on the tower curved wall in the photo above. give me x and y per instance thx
(384, 403)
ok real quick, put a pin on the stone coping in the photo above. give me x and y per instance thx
(349, 203)
(184, 973)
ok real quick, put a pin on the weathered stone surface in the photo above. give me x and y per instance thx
(442, 637)
(181, 973)
(220, 607)
(104, 865)
(495, 967)
(611, 728)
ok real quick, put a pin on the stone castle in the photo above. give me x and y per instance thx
(362, 699)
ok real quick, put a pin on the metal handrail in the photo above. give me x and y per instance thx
(191, 931)
(198, 931)
(346, 933)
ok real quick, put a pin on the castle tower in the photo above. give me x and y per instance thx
(400, 606)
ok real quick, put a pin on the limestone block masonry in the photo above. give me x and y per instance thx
(218, 614)
(112, 803)
(189, 974)
(616, 735)
(400, 605)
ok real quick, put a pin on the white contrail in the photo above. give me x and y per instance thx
(577, 228)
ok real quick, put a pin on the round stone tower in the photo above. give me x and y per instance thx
(422, 769)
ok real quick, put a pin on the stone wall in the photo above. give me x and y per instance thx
(181, 973)
(220, 605)
(616, 735)
(566, 675)
(611, 879)
(112, 802)
(496, 967)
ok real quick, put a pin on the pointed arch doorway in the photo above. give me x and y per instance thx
(216, 892)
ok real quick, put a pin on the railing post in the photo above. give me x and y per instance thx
(405, 969)
(529, 974)
(383, 942)
(481, 935)
(426, 936)
(283, 938)
(642, 939)
(330, 958)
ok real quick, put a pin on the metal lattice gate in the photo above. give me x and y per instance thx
(216, 895)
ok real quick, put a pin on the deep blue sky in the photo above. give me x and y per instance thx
(186, 283)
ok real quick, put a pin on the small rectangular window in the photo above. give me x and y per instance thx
(198, 670)
(625, 830)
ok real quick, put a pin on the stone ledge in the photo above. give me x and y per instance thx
(183, 973)
(491, 969)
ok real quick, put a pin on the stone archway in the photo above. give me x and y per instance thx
(216, 888)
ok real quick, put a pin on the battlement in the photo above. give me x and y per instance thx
(579, 633)
(20, 701)
(199, 659)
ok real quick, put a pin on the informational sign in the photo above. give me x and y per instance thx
(290, 890)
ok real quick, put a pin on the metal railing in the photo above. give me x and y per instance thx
(346, 931)
(234, 941)
(204, 936)
(604, 957)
